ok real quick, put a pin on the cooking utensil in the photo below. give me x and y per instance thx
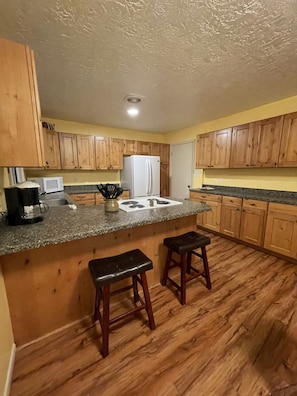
(110, 191)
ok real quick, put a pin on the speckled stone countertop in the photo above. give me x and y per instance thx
(62, 224)
(82, 189)
(283, 197)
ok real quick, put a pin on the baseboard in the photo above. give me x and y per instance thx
(10, 371)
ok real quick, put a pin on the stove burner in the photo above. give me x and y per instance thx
(129, 203)
(162, 202)
(136, 206)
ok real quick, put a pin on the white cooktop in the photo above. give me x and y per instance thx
(135, 204)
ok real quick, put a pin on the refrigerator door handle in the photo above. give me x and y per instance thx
(149, 169)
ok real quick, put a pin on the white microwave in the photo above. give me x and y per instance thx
(49, 184)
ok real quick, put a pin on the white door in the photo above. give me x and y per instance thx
(181, 169)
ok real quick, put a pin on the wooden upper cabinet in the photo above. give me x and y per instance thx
(144, 148)
(288, 148)
(21, 137)
(109, 153)
(163, 151)
(203, 150)
(116, 153)
(86, 152)
(241, 147)
(68, 150)
(213, 149)
(129, 147)
(51, 149)
(266, 144)
(221, 147)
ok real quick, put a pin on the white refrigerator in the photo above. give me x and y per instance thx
(141, 175)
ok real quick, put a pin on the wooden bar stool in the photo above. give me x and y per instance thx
(184, 245)
(106, 271)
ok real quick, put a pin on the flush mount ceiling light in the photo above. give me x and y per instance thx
(133, 100)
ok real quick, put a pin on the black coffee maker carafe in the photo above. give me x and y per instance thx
(23, 206)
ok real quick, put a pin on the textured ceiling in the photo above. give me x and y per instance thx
(192, 60)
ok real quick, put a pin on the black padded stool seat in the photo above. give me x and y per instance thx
(185, 246)
(106, 271)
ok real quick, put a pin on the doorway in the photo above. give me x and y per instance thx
(181, 169)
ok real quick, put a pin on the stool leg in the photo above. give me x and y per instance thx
(189, 261)
(148, 301)
(166, 269)
(135, 289)
(97, 304)
(183, 270)
(206, 269)
(105, 320)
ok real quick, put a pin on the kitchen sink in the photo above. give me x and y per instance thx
(56, 202)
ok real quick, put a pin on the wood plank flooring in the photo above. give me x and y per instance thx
(240, 338)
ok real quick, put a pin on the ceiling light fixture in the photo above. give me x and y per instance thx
(133, 111)
(134, 100)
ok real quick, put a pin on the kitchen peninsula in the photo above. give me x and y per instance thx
(45, 265)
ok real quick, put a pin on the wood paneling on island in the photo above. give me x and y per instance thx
(50, 287)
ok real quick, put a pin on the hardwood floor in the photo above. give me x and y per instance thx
(240, 338)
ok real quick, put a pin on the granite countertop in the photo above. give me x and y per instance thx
(84, 189)
(284, 197)
(62, 224)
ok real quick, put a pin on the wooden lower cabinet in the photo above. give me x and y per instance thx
(272, 226)
(231, 216)
(253, 220)
(211, 219)
(87, 199)
(281, 229)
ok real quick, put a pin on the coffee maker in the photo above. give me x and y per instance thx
(23, 206)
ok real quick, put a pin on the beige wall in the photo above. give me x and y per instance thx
(6, 336)
(274, 179)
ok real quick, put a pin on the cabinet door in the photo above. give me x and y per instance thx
(203, 150)
(288, 149)
(86, 152)
(156, 149)
(68, 150)
(130, 147)
(116, 153)
(164, 180)
(253, 219)
(165, 154)
(230, 216)
(21, 137)
(51, 149)
(281, 230)
(221, 148)
(267, 136)
(212, 219)
(144, 148)
(241, 146)
(102, 152)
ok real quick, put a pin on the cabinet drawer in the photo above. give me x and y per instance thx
(99, 199)
(205, 197)
(125, 195)
(282, 208)
(232, 200)
(252, 203)
(81, 199)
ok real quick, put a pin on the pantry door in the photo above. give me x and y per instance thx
(181, 169)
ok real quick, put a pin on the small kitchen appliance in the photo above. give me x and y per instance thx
(23, 206)
(49, 184)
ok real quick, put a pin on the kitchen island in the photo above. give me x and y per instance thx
(45, 265)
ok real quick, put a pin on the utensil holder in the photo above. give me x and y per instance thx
(111, 205)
